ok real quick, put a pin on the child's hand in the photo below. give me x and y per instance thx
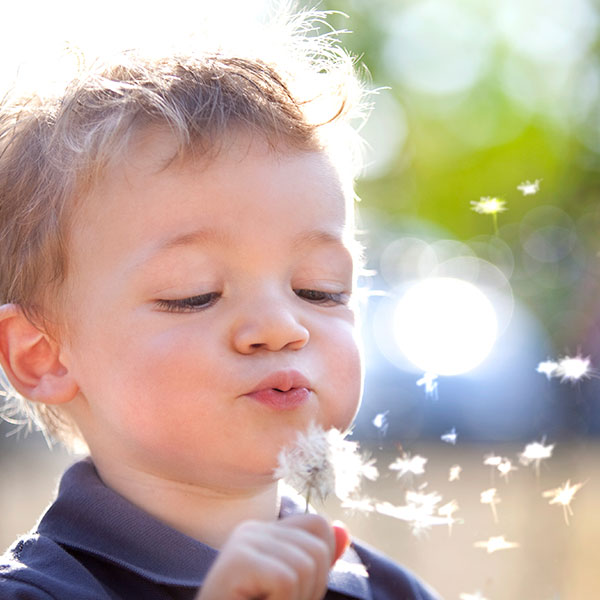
(285, 560)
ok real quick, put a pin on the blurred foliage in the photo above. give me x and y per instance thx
(529, 110)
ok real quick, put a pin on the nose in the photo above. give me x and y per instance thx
(273, 329)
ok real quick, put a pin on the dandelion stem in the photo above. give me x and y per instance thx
(308, 491)
(495, 217)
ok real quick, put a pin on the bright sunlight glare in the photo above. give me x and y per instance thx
(445, 325)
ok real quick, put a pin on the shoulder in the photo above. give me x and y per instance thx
(389, 580)
(36, 568)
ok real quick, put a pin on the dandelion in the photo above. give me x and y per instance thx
(528, 188)
(450, 437)
(429, 380)
(505, 467)
(407, 464)
(489, 205)
(491, 497)
(564, 496)
(535, 453)
(496, 543)
(547, 368)
(454, 473)
(323, 462)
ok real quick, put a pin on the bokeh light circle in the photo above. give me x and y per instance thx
(445, 325)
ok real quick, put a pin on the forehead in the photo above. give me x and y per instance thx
(155, 192)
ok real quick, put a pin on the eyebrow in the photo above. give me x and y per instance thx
(314, 237)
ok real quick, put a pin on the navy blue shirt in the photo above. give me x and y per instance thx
(93, 544)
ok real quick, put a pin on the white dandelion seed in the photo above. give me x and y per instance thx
(380, 422)
(450, 436)
(492, 460)
(491, 497)
(495, 543)
(505, 467)
(488, 205)
(573, 368)
(535, 453)
(529, 188)
(408, 464)
(419, 511)
(429, 381)
(476, 596)
(547, 368)
(447, 511)
(358, 505)
(564, 496)
(321, 462)
(454, 473)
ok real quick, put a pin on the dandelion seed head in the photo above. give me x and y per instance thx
(528, 188)
(407, 464)
(488, 205)
(490, 496)
(324, 462)
(495, 543)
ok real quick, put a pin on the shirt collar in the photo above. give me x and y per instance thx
(89, 516)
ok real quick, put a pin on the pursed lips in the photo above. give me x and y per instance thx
(282, 390)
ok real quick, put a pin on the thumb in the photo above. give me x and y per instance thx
(342, 540)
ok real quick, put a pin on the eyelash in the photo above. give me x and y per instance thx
(203, 301)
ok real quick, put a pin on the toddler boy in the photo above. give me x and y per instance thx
(177, 271)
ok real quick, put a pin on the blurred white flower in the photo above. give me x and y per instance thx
(321, 462)
(496, 543)
(528, 188)
(407, 464)
(563, 496)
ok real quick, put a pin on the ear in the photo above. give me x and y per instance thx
(31, 360)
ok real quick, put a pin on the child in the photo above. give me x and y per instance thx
(177, 271)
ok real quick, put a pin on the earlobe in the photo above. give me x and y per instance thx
(31, 360)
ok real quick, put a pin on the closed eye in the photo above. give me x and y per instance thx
(191, 304)
(323, 298)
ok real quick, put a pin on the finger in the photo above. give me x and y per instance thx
(317, 526)
(342, 539)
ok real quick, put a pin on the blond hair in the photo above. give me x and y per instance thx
(301, 91)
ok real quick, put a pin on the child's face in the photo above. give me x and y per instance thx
(196, 289)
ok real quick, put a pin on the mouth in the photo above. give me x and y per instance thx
(283, 390)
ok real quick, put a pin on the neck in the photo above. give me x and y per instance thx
(208, 515)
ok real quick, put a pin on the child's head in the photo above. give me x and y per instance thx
(163, 211)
